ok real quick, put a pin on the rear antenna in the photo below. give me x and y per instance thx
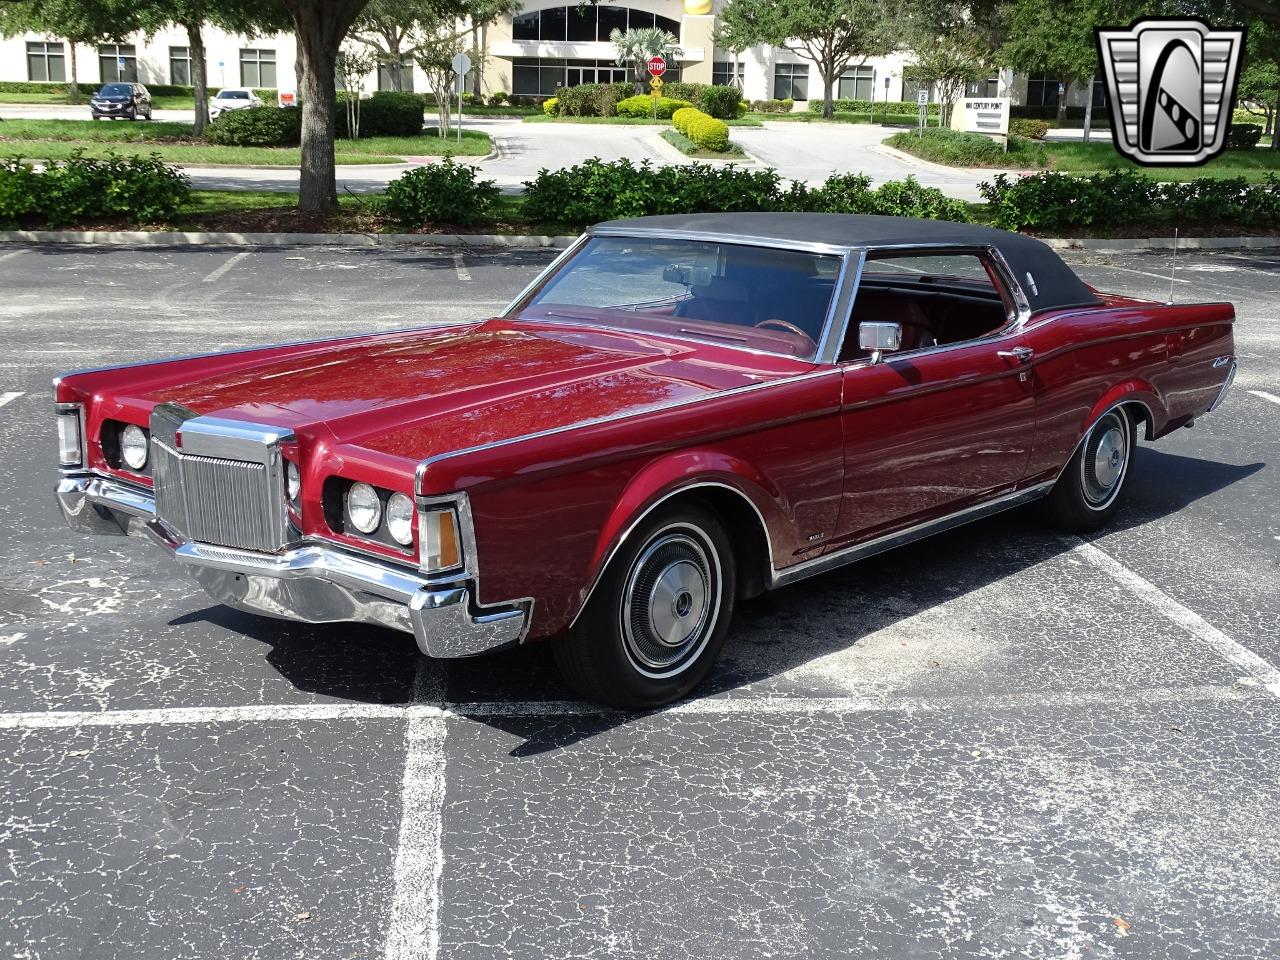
(1173, 270)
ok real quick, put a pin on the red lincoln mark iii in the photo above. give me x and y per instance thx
(680, 412)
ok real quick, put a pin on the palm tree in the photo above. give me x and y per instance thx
(635, 47)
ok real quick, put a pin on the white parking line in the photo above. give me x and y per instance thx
(461, 267)
(6, 398)
(11, 255)
(1264, 395)
(1143, 273)
(218, 271)
(1230, 650)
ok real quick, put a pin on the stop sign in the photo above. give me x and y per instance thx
(657, 66)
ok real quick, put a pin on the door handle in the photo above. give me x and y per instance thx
(1021, 354)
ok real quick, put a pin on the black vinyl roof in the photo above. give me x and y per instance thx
(1051, 285)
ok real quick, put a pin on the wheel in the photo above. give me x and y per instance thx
(659, 615)
(1088, 492)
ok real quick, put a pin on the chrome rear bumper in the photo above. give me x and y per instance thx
(312, 582)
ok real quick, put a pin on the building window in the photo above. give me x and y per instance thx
(983, 88)
(258, 68)
(1099, 93)
(118, 63)
(791, 81)
(912, 87)
(723, 73)
(857, 84)
(46, 62)
(386, 75)
(180, 65)
(587, 23)
(542, 76)
(1042, 91)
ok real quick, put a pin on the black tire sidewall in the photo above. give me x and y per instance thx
(598, 633)
(1066, 504)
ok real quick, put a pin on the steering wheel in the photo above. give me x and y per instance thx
(789, 327)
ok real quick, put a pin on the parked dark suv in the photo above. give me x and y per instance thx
(128, 100)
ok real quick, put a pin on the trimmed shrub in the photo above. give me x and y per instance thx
(444, 192)
(606, 99)
(550, 105)
(719, 101)
(952, 147)
(897, 107)
(1243, 136)
(707, 132)
(1031, 129)
(135, 189)
(577, 101)
(644, 106)
(682, 117)
(257, 127)
(852, 193)
(386, 114)
(497, 98)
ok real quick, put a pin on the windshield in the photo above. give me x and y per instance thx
(233, 95)
(115, 90)
(760, 298)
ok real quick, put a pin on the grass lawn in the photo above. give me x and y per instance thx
(691, 149)
(58, 139)
(630, 121)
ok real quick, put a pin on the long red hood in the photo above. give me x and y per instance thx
(411, 395)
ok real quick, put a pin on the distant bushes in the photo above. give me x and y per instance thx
(952, 147)
(647, 106)
(1030, 129)
(1124, 198)
(772, 106)
(386, 114)
(133, 189)
(595, 191)
(704, 131)
(1243, 136)
(896, 107)
(444, 192)
(606, 99)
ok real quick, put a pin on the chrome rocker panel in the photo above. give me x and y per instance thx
(311, 583)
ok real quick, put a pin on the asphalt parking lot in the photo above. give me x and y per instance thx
(998, 743)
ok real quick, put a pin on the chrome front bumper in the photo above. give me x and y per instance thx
(312, 582)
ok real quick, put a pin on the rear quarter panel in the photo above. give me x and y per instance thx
(1088, 360)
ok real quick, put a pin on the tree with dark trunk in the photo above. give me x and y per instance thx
(832, 34)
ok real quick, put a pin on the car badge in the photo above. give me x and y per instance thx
(1172, 86)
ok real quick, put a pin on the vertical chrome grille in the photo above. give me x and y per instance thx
(222, 500)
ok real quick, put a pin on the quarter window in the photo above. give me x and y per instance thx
(118, 62)
(791, 81)
(258, 68)
(46, 62)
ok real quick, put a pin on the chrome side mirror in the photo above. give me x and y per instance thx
(879, 337)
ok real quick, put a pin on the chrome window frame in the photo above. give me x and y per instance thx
(1006, 284)
(827, 345)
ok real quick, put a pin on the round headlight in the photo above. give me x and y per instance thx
(292, 481)
(133, 447)
(363, 507)
(400, 516)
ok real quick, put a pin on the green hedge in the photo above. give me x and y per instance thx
(955, 148)
(594, 191)
(385, 114)
(1243, 136)
(846, 105)
(707, 132)
(1030, 129)
(646, 106)
(445, 192)
(1125, 198)
(257, 127)
(1075, 115)
(772, 106)
(602, 99)
(134, 189)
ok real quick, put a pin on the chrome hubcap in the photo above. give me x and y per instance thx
(1106, 457)
(670, 603)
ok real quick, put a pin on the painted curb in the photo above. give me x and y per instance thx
(168, 238)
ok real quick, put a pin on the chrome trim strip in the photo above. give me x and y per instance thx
(631, 527)
(860, 551)
(1226, 385)
(543, 276)
(706, 236)
(836, 326)
(610, 418)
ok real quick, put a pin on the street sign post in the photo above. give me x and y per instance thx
(922, 102)
(461, 67)
(657, 66)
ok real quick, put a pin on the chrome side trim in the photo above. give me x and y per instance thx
(543, 276)
(631, 528)
(424, 465)
(1226, 385)
(860, 551)
(709, 236)
(836, 327)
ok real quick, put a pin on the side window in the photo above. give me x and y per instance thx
(936, 298)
